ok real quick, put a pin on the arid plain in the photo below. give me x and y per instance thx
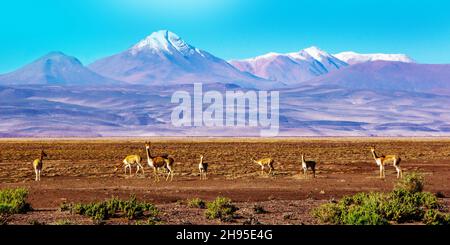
(82, 170)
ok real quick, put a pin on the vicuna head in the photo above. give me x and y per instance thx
(43, 154)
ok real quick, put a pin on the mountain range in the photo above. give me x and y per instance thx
(128, 94)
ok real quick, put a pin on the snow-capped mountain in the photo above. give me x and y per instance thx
(165, 58)
(55, 68)
(326, 96)
(291, 68)
(355, 58)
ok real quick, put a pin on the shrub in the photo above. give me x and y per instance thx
(412, 182)
(13, 201)
(63, 222)
(196, 203)
(4, 219)
(328, 213)
(406, 203)
(258, 209)
(149, 221)
(433, 217)
(113, 207)
(222, 208)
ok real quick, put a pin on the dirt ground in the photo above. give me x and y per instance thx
(82, 170)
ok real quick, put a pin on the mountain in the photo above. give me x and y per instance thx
(391, 76)
(291, 68)
(163, 58)
(55, 68)
(355, 58)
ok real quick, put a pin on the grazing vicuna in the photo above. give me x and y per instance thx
(130, 161)
(308, 165)
(265, 162)
(203, 168)
(381, 162)
(38, 164)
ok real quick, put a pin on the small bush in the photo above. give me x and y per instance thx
(149, 221)
(258, 209)
(433, 217)
(63, 222)
(222, 208)
(328, 213)
(4, 219)
(412, 182)
(196, 203)
(113, 207)
(14, 201)
(35, 222)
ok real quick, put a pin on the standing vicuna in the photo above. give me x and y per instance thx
(129, 161)
(203, 168)
(308, 164)
(38, 164)
(157, 162)
(381, 161)
(263, 163)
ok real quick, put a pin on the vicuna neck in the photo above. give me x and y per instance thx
(374, 154)
(147, 150)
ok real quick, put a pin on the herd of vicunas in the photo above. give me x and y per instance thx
(164, 161)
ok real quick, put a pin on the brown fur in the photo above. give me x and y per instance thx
(265, 162)
(382, 160)
(159, 162)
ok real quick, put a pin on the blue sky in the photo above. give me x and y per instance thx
(91, 29)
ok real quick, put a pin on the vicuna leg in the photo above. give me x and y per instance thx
(142, 169)
(381, 171)
(169, 174)
(36, 173)
(155, 174)
(399, 171)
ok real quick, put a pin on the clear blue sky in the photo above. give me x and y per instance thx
(90, 29)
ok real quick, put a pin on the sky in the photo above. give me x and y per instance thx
(229, 29)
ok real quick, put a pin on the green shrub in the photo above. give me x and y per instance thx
(113, 207)
(149, 221)
(434, 217)
(258, 209)
(222, 208)
(13, 201)
(406, 203)
(328, 213)
(412, 182)
(196, 203)
(63, 222)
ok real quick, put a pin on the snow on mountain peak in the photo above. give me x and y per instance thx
(163, 41)
(355, 58)
(316, 53)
